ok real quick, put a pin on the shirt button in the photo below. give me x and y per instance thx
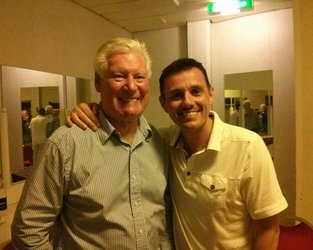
(188, 173)
(212, 187)
(141, 231)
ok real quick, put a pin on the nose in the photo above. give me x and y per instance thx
(188, 99)
(131, 83)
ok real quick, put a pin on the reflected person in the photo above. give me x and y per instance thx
(224, 187)
(234, 116)
(104, 189)
(263, 118)
(55, 120)
(26, 118)
(38, 127)
(251, 117)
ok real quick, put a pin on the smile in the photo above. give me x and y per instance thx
(129, 100)
(189, 113)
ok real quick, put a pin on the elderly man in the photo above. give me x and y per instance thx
(103, 190)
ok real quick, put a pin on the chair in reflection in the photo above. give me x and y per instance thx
(296, 237)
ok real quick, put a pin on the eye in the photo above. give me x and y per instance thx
(176, 95)
(196, 91)
(140, 78)
(118, 77)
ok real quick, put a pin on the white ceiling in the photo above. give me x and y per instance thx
(144, 15)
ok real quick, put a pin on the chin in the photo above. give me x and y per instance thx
(188, 125)
(132, 113)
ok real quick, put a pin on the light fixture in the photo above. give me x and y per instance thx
(229, 6)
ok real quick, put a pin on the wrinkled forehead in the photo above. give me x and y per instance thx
(133, 61)
(128, 55)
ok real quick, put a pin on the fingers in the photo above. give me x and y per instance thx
(68, 121)
(83, 117)
(75, 119)
(94, 108)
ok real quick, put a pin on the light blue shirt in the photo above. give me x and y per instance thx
(102, 192)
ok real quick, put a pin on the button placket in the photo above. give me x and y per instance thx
(189, 166)
(135, 198)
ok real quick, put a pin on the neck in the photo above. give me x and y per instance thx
(127, 129)
(196, 140)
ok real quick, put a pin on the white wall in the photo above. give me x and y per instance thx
(253, 43)
(199, 43)
(164, 46)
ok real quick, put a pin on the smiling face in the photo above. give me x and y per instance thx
(187, 99)
(124, 89)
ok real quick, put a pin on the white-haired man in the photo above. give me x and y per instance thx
(103, 190)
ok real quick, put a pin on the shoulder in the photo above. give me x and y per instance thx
(235, 133)
(157, 134)
(232, 133)
(34, 119)
(170, 134)
(242, 140)
(66, 135)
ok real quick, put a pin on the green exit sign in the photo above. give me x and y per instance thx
(229, 5)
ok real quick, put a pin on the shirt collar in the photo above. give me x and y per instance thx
(216, 133)
(144, 129)
(215, 137)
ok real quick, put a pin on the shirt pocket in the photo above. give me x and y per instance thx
(212, 191)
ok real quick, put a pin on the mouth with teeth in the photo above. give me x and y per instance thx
(188, 114)
(129, 100)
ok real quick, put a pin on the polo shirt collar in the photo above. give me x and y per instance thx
(216, 133)
(215, 137)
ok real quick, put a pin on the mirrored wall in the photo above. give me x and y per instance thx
(249, 102)
(40, 117)
(30, 96)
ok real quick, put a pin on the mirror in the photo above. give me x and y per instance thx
(13, 80)
(249, 102)
(40, 113)
(32, 90)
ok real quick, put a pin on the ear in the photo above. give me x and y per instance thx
(211, 93)
(163, 104)
(97, 82)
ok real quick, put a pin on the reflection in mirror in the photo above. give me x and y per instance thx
(248, 102)
(25, 89)
(249, 109)
(40, 118)
(13, 80)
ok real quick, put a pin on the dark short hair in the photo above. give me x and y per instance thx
(180, 65)
(41, 111)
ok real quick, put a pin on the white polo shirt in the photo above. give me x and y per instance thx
(218, 191)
